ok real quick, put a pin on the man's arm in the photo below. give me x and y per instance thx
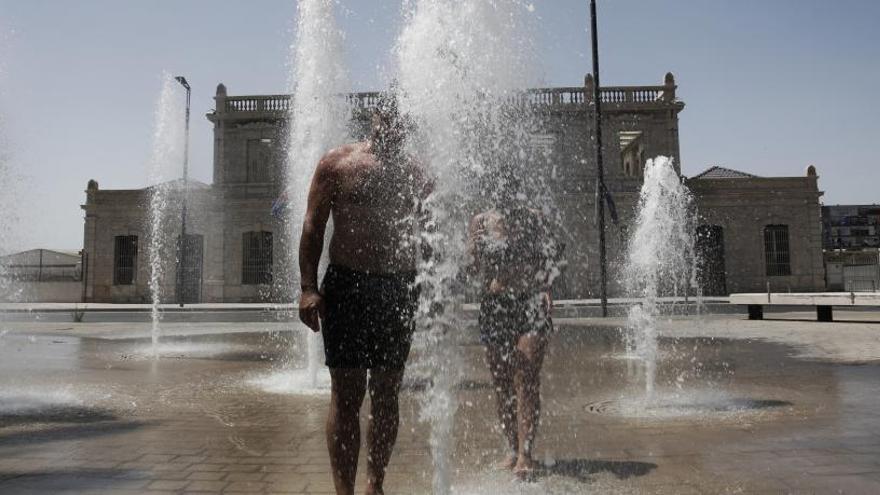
(311, 243)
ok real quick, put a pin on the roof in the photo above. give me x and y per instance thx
(37, 252)
(178, 184)
(717, 172)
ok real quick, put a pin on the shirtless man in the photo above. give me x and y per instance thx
(367, 301)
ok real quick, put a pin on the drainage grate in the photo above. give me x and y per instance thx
(679, 407)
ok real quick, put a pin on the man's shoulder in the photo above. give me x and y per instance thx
(343, 151)
(341, 157)
(346, 153)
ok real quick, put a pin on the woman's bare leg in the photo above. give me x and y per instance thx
(501, 366)
(527, 380)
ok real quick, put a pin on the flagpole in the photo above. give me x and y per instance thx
(600, 167)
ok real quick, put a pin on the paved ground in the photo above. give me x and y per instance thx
(250, 312)
(779, 406)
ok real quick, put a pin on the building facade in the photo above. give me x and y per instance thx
(756, 233)
(236, 251)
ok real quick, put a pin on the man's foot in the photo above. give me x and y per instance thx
(507, 463)
(373, 490)
(526, 469)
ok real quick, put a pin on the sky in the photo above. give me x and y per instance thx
(770, 86)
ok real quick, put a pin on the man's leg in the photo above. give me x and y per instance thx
(501, 367)
(384, 387)
(343, 426)
(527, 379)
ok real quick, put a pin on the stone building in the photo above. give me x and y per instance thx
(756, 232)
(235, 249)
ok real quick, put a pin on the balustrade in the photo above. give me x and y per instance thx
(268, 103)
(542, 97)
(633, 94)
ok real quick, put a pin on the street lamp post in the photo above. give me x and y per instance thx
(181, 245)
(601, 192)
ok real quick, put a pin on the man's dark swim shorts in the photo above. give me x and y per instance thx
(507, 316)
(368, 322)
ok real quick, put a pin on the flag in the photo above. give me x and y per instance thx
(279, 206)
(602, 194)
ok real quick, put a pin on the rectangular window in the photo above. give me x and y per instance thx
(256, 258)
(776, 253)
(259, 160)
(189, 252)
(124, 259)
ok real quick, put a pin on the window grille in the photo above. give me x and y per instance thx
(124, 259)
(776, 253)
(256, 258)
(259, 160)
(190, 250)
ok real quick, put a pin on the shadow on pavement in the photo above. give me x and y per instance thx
(56, 414)
(69, 432)
(583, 469)
(67, 481)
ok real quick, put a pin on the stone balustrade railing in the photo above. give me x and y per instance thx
(364, 100)
(554, 96)
(261, 103)
(565, 97)
(634, 94)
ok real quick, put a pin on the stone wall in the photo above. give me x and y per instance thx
(743, 207)
(112, 213)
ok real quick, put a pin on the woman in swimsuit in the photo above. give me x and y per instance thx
(513, 253)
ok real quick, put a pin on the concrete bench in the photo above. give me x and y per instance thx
(823, 301)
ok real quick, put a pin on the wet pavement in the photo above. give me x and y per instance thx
(785, 406)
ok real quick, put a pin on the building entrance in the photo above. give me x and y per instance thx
(190, 271)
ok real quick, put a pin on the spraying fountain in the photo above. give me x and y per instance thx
(5, 220)
(318, 122)
(463, 67)
(164, 165)
(659, 259)
(9, 205)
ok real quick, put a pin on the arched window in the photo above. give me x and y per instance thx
(256, 265)
(776, 254)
